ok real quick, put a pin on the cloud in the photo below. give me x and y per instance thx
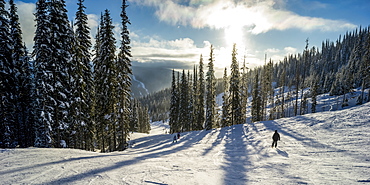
(182, 54)
(277, 55)
(27, 22)
(257, 16)
(181, 50)
(93, 21)
(290, 50)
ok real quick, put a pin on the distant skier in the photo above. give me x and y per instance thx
(174, 138)
(178, 135)
(275, 138)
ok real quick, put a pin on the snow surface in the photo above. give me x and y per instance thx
(323, 148)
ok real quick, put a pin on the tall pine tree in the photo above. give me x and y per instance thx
(256, 110)
(195, 100)
(174, 105)
(225, 118)
(124, 80)
(106, 85)
(7, 81)
(366, 68)
(61, 67)
(200, 97)
(22, 78)
(184, 103)
(244, 92)
(82, 84)
(43, 76)
(235, 108)
(210, 120)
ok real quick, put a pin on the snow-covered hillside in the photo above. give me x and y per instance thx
(322, 148)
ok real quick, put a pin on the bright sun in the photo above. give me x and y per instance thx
(234, 35)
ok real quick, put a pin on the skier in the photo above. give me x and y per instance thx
(174, 138)
(275, 138)
(178, 135)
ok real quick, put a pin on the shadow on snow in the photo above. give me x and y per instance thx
(161, 149)
(236, 152)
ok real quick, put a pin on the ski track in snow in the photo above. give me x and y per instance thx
(322, 148)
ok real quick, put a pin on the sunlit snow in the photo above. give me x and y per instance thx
(322, 148)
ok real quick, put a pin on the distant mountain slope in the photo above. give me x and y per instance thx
(138, 88)
(153, 78)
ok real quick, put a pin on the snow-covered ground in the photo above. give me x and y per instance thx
(323, 148)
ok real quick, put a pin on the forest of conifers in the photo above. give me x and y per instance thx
(277, 89)
(61, 95)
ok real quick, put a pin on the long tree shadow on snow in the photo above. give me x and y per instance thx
(220, 138)
(306, 141)
(165, 142)
(162, 150)
(284, 131)
(236, 155)
(72, 159)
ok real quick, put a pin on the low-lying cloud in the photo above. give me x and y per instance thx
(182, 50)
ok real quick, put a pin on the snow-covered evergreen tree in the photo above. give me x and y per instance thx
(297, 83)
(7, 81)
(314, 93)
(184, 103)
(235, 106)
(61, 68)
(365, 69)
(256, 110)
(200, 98)
(96, 59)
(195, 100)
(225, 117)
(191, 101)
(82, 85)
(140, 117)
(244, 92)
(22, 78)
(15, 33)
(124, 80)
(145, 120)
(282, 82)
(43, 76)
(305, 69)
(28, 101)
(268, 90)
(174, 106)
(106, 85)
(210, 120)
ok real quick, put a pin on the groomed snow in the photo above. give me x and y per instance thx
(322, 148)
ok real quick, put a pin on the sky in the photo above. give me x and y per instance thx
(174, 33)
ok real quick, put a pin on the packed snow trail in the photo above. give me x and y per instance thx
(322, 148)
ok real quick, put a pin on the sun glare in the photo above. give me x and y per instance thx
(234, 35)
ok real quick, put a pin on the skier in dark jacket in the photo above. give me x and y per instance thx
(174, 139)
(275, 137)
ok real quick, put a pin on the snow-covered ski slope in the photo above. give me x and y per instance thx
(323, 148)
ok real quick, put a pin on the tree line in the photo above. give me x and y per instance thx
(158, 104)
(193, 98)
(62, 94)
(275, 90)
